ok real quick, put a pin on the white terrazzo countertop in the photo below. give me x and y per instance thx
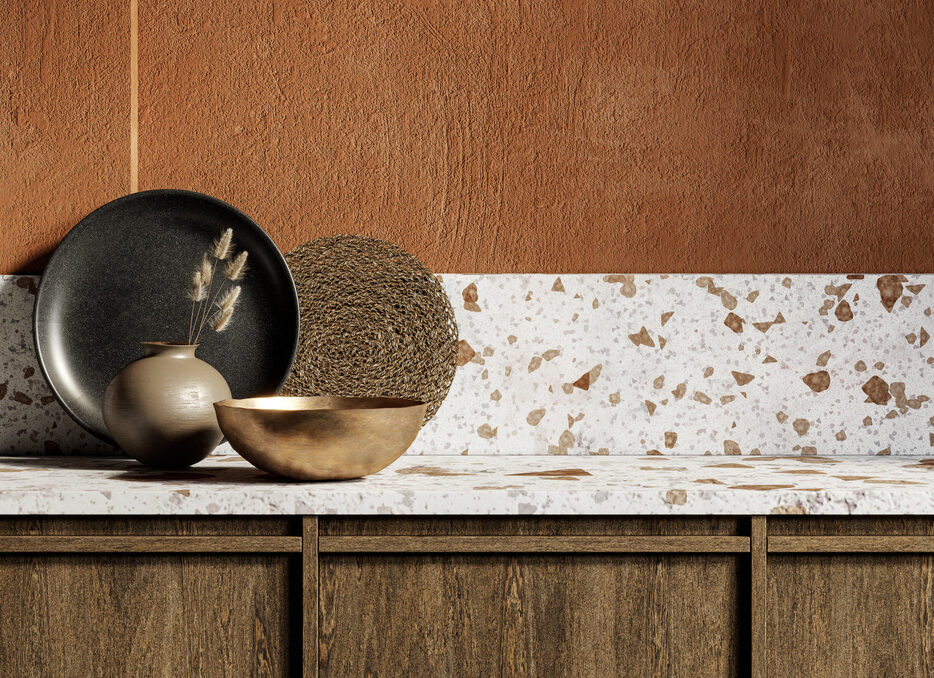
(492, 485)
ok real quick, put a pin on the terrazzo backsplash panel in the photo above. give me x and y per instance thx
(628, 365)
(31, 420)
(689, 364)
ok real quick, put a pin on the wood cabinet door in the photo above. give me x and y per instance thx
(143, 615)
(528, 614)
(850, 614)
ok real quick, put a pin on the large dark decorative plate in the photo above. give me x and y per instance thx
(120, 276)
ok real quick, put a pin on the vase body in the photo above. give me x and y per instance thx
(160, 408)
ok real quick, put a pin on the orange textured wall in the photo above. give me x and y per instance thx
(580, 136)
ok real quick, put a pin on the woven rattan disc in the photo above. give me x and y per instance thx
(374, 322)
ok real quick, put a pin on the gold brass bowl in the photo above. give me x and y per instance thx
(320, 437)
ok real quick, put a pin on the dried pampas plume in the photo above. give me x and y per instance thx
(229, 300)
(223, 246)
(207, 270)
(201, 291)
(197, 291)
(221, 319)
(236, 268)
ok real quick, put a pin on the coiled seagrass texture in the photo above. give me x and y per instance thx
(374, 322)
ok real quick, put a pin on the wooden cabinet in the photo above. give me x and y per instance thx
(466, 597)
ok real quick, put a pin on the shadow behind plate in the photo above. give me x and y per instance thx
(120, 277)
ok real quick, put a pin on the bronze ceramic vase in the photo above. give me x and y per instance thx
(160, 408)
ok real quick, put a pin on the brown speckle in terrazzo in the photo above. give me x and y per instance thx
(21, 397)
(769, 359)
(731, 447)
(650, 406)
(878, 390)
(659, 381)
(840, 435)
(428, 471)
(906, 301)
(585, 381)
(679, 391)
(602, 452)
(884, 453)
(707, 372)
(464, 353)
(734, 322)
(825, 307)
(470, 298)
(742, 378)
(508, 370)
(486, 431)
(837, 291)
(867, 421)
(911, 337)
(614, 399)
(535, 363)
(702, 397)
(727, 399)
(496, 395)
(752, 296)
(551, 354)
(823, 359)
(574, 420)
(661, 341)
(817, 381)
(809, 450)
(782, 417)
(765, 326)
(924, 337)
(28, 284)
(28, 372)
(678, 497)
(890, 289)
(843, 312)
(666, 316)
(786, 282)
(801, 426)
(512, 338)
(860, 366)
(567, 439)
(596, 304)
(556, 473)
(642, 338)
(670, 439)
(558, 286)
(761, 487)
(535, 416)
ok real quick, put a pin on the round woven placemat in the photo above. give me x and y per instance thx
(374, 322)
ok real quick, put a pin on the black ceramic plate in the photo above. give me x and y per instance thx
(120, 276)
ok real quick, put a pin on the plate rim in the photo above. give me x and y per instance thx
(129, 197)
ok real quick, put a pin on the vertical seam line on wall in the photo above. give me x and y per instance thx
(134, 96)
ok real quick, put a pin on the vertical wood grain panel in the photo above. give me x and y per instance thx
(529, 615)
(154, 615)
(310, 597)
(851, 615)
(758, 597)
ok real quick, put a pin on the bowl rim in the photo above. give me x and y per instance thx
(377, 403)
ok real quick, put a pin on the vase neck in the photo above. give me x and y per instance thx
(168, 349)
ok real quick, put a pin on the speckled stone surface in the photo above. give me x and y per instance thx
(688, 364)
(630, 365)
(31, 420)
(503, 485)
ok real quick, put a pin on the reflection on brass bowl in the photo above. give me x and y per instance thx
(320, 437)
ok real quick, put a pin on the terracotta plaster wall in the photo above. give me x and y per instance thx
(650, 136)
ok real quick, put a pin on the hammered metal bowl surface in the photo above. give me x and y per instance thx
(320, 437)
